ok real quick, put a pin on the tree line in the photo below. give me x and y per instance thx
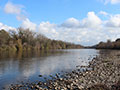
(24, 39)
(108, 45)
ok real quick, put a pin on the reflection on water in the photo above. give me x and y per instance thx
(20, 66)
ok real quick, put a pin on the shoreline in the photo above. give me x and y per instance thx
(102, 73)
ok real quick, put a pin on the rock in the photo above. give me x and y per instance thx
(40, 75)
(61, 79)
(38, 87)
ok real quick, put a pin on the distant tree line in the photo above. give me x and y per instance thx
(24, 39)
(108, 45)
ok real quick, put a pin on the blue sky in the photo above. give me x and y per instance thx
(66, 20)
(56, 11)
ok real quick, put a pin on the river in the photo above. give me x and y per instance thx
(24, 66)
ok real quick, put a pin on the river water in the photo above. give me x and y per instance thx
(24, 66)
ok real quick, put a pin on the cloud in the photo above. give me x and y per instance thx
(11, 8)
(21, 17)
(114, 21)
(88, 31)
(115, 1)
(27, 24)
(71, 22)
(16, 9)
(48, 29)
(103, 13)
(92, 21)
(5, 27)
(111, 1)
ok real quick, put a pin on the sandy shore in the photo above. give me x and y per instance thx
(103, 73)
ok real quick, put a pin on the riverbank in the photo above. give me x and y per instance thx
(103, 73)
(27, 40)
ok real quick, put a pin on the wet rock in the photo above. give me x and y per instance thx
(40, 75)
(38, 87)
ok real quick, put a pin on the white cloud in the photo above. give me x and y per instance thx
(87, 31)
(48, 29)
(92, 21)
(115, 1)
(11, 8)
(114, 21)
(71, 22)
(21, 17)
(16, 9)
(111, 1)
(27, 24)
(103, 13)
(5, 27)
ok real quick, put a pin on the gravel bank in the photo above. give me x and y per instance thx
(103, 73)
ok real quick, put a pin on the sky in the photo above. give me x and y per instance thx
(84, 22)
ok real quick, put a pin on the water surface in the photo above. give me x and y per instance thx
(24, 66)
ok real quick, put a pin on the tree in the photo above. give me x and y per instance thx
(4, 37)
(26, 36)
